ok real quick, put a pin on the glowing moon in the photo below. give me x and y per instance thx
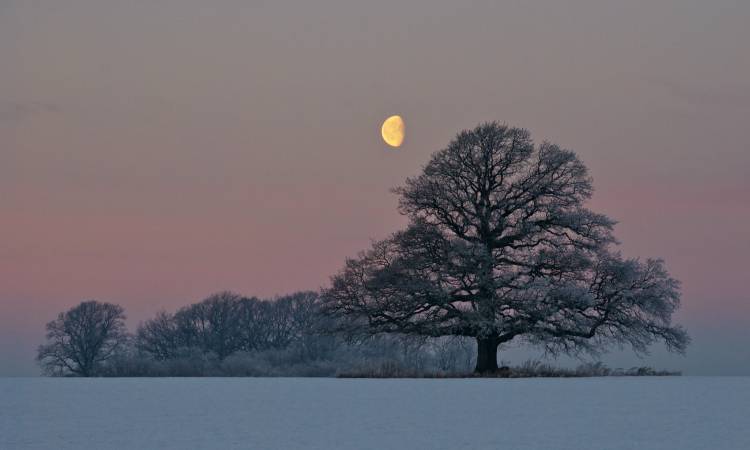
(393, 131)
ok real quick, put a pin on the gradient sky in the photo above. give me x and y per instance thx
(153, 152)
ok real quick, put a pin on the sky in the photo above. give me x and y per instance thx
(154, 152)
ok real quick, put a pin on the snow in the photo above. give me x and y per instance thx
(298, 413)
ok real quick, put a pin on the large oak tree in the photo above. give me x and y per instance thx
(500, 246)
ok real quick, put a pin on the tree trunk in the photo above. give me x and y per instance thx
(487, 354)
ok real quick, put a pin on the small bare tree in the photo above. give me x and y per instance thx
(212, 325)
(80, 340)
(159, 337)
(290, 318)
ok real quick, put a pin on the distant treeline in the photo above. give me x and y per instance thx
(230, 335)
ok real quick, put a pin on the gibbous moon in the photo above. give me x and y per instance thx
(393, 131)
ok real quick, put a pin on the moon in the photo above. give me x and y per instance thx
(393, 131)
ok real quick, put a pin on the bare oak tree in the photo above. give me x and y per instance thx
(80, 340)
(500, 247)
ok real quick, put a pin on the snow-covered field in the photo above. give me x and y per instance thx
(294, 413)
